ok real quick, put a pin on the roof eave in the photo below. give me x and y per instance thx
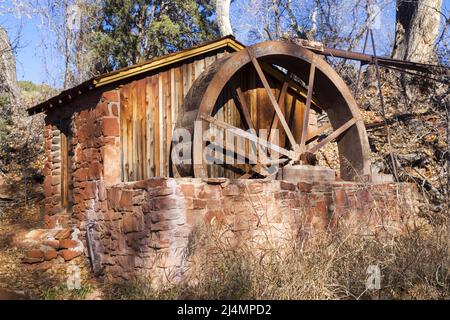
(119, 75)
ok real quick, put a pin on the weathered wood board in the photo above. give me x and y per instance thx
(149, 110)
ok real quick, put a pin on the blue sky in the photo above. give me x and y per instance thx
(29, 57)
(35, 63)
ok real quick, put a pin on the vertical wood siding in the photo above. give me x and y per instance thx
(149, 110)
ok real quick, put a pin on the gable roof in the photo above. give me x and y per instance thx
(153, 64)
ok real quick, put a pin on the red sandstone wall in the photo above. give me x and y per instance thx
(52, 171)
(146, 229)
(96, 146)
(143, 228)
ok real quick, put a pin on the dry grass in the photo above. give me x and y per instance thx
(413, 265)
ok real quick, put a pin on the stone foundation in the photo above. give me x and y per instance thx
(95, 145)
(62, 244)
(147, 225)
(143, 228)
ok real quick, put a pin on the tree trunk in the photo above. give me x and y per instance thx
(223, 17)
(447, 103)
(8, 78)
(417, 29)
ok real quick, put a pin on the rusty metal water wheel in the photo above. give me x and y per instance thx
(226, 81)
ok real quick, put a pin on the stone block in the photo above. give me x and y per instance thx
(111, 96)
(50, 221)
(68, 244)
(56, 140)
(32, 260)
(102, 194)
(47, 186)
(231, 190)
(51, 243)
(183, 231)
(340, 198)
(94, 171)
(56, 180)
(166, 203)
(50, 255)
(304, 186)
(210, 192)
(133, 222)
(69, 254)
(161, 239)
(63, 234)
(126, 200)
(113, 215)
(199, 204)
(162, 226)
(256, 187)
(81, 174)
(287, 186)
(164, 215)
(112, 164)
(113, 195)
(114, 107)
(188, 190)
(101, 110)
(214, 216)
(34, 254)
(307, 173)
(138, 197)
(111, 126)
(90, 190)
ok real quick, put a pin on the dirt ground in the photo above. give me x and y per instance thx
(46, 280)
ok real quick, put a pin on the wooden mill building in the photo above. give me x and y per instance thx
(118, 127)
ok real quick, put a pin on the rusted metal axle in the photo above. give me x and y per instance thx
(319, 48)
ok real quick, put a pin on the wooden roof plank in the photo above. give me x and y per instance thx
(150, 65)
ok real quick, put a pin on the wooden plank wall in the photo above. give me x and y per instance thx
(149, 108)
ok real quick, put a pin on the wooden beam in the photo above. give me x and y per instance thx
(272, 98)
(246, 135)
(244, 109)
(332, 136)
(312, 73)
(296, 88)
(166, 60)
(318, 131)
(246, 113)
(281, 100)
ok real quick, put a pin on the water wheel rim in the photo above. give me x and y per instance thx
(332, 91)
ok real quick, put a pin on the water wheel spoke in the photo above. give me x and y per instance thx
(291, 117)
(317, 132)
(335, 134)
(272, 98)
(238, 155)
(261, 168)
(281, 100)
(243, 107)
(246, 135)
(245, 113)
(257, 168)
(227, 151)
(312, 73)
